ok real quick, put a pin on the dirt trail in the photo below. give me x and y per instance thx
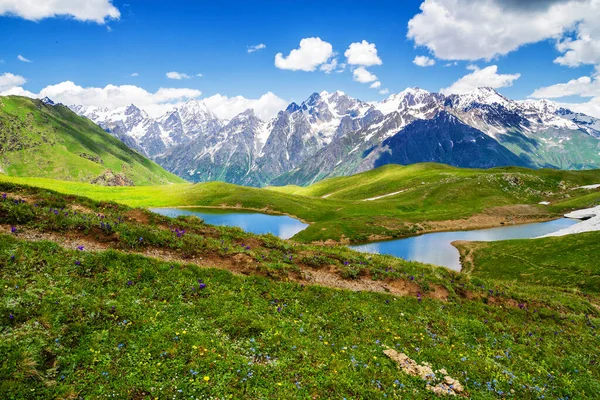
(240, 264)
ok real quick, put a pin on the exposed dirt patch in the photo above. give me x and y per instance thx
(497, 216)
(138, 216)
(241, 264)
(80, 209)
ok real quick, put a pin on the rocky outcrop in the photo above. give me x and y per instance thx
(110, 178)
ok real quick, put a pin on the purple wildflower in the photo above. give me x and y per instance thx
(3, 196)
(129, 283)
(202, 286)
(13, 229)
(278, 309)
(80, 248)
(10, 316)
(77, 262)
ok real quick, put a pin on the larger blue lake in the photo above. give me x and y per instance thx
(279, 225)
(435, 248)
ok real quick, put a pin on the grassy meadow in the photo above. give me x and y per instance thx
(337, 209)
(153, 307)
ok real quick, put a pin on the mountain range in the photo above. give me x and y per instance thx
(333, 134)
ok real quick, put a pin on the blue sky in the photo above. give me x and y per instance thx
(152, 37)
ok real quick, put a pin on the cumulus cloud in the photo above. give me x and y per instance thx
(112, 96)
(156, 103)
(363, 76)
(252, 49)
(591, 107)
(21, 58)
(311, 53)
(9, 81)
(177, 75)
(265, 107)
(135, 74)
(584, 86)
(585, 48)
(330, 66)
(362, 53)
(481, 77)
(384, 91)
(423, 61)
(83, 10)
(472, 30)
(375, 85)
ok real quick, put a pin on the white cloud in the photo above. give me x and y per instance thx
(312, 53)
(363, 76)
(9, 81)
(112, 96)
(265, 107)
(591, 107)
(584, 86)
(472, 30)
(481, 77)
(177, 75)
(375, 85)
(21, 58)
(330, 66)
(472, 67)
(423, 61)
(84, 10)
(362, 53)
(585, 48)
(156, 104)
(199, 75)
(252, 49)
(384, 91)
(135, 74)
(451, 64)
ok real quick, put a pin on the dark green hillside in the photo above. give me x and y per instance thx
(39, 140)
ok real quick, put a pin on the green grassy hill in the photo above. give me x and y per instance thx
(569, 262)
(38, 140)
(432, 197)
(141, 311)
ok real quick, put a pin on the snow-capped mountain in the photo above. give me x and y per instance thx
(152, 137)
(332, 134)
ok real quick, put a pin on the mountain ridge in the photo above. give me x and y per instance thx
(333, 134)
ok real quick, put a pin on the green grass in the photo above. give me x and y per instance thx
(431, 192)
(53, 142)
(98, 324)
(568, 262)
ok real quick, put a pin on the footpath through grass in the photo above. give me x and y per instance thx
(112, 323)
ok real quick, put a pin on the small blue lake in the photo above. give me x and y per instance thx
(435, 248)
(279, 225)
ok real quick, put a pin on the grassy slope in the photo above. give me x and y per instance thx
(569, 262)
(134, 327)
(434, 192)
(45, 141)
